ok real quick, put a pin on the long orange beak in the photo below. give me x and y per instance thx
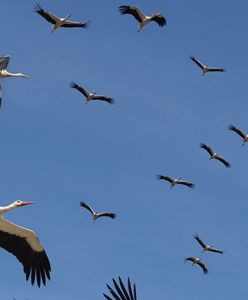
(26, 203)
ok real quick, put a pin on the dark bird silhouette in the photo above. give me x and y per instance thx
(206, 68)
(198, 262)
(174, 181)
(239, 132)
(214, 155)
(97, 215)
(206, 247)
(121, 292)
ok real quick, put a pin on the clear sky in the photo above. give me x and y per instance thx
(57, 151)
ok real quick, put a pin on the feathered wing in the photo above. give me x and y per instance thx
(87, 206)
(201, 65)
(207, 148)
(225, 162)
(121, 292)
(159, 19)
(211, 69)
(168, 178)
(80, 89)
(103, 98)
(106, 214)
(212, 249)
(46, 14)
(238, 131)
(202, 265)
(132, 10)
(4, 61)
(204, 245)
(76, 24)
(24, 244)
(187, 183)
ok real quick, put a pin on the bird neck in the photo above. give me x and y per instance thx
(7, 208)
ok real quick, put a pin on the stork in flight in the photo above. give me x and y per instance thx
(174, 181)
(214, 155)
(58, 22)
(207, 247)
(140, 17)
(97, 215)
(198, 262)
(239, 132)
(121, 292)
(24, 244)
(4, 61)
(91, 96)
(206, 68)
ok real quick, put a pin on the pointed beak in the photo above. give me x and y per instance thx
(26, 203)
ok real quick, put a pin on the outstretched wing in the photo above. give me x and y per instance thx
(46, 14)
(187, 183)
(75, 24)
(199, 64)
(24, 244)
(80, 89)
(202, 265)
(238, 131)
(106, 214)
(4, 62)
(159, 19)
(225, 162)
(103, 98)
(87, 206)
(207, 148)
(168, 178)
(132, 10)
(121, 292)
(210, 69)
(212, 249)
(200, 241)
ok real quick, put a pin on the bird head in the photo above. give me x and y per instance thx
(19, 203)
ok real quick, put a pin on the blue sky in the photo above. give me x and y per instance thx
(57, 151)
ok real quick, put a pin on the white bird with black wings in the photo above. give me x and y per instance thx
(215, 155)
(206, 247)
(24, 244)
(97, 215)
(206, 68)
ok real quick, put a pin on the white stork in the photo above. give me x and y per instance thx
(91, 96)
(24, 244)
(4, 60)
(239, 132)
(206, 68)
(206, 247)
(121, 292)
(58, 22)
(174, 181)
(198, 262)
(140, 17)
(214, 155)
(97, 215)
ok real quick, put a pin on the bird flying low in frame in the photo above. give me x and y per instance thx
(25, 246)
(198, 262)
(206, 247)
(97, 215)
(121, 292)
(206, 68)
(176, 181)
(91, 96)
(58, 22)
(240, 133)
(214, 155)
(141, 18)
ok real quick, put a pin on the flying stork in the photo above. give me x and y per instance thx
(121, 292)
(214, 155)
(239, 132)
(197, 261)
(97, 215)
(207, 247)
(58, 22)
(25, 245)
(206, 68)
(4, 61)
(174, 181)
(91, 96)
(140, 17)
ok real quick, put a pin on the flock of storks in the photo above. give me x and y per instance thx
(22, 242)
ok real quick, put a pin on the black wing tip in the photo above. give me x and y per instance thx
(73, 85)
(83, 204)
(228, 165)
(205, 271)
(159, 176)
(231, 127)
(123, 9)
(204, 146)
(112, 215)
(110, 100)
(86, 25)
(37, 7)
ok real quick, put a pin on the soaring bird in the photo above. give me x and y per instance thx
(97, 215)
(24, 244)
(214, 155)
(140, 17)
(198, 262)
(239, 132)
(206, 68)
(91, 96)
(121, 292)
(58, 22)
(174, 181)
(4, 61)
(207, 247)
